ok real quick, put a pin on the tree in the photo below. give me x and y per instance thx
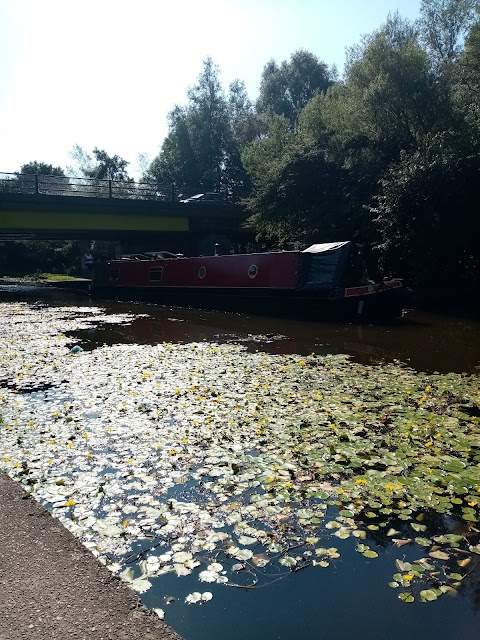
(28, 257)
(301, 201)
(29, 184)
(286, 88)
(392, 97)
(176, 163)
(427, 212)
(101, 166)
(444, 25)
(200, 152)
(41, 168)
(263, 157)
(466, 79)
(245, 124)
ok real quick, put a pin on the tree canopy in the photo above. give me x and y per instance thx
(99, 165)
(41, 168)
(287, 87)
(202, 149)
(389, 155)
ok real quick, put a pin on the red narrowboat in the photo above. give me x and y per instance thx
(321, 281)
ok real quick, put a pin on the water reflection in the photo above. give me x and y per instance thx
(426, 341)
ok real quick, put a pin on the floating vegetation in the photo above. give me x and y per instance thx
(236, 467)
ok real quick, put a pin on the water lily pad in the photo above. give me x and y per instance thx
(403, 566)
(288, 561)
(193, 598)
(428, 595)
(439, 555)
(424, 542)
(406, 597)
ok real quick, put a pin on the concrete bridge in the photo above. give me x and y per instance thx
(136, 214)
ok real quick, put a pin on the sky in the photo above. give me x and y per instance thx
(105, 73)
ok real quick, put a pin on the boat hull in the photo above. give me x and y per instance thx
(385, 304)
(311, 283)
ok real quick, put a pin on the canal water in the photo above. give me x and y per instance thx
(425, 341)
(352, 599)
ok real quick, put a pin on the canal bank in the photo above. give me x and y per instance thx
(52, 587)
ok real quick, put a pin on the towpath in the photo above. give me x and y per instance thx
(52, 587)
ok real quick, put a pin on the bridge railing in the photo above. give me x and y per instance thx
(86, 187)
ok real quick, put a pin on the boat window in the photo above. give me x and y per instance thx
(113, 275)
(202, 272)
(252, 271)
(156, 273)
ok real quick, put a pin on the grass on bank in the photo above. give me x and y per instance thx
(37, 278)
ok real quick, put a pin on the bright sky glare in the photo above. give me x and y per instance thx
(106, 73)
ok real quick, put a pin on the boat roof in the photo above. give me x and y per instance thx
(326, 246)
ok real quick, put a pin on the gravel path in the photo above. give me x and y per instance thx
(52, 587)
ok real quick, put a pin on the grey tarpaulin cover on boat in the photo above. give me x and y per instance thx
(325, 264)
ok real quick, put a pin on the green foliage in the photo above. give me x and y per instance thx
(21, 258)
(349, 135)
(101, 165)
(16, 184)
(245, 123)
(202, 150)
(389, 156)
(392, 98)
(445, 24)
(41, 168)
(286, 88)
(427, 208)
(466, 80)
(264, 156)
(302, 202)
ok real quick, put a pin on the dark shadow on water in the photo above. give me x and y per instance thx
(424, 341)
